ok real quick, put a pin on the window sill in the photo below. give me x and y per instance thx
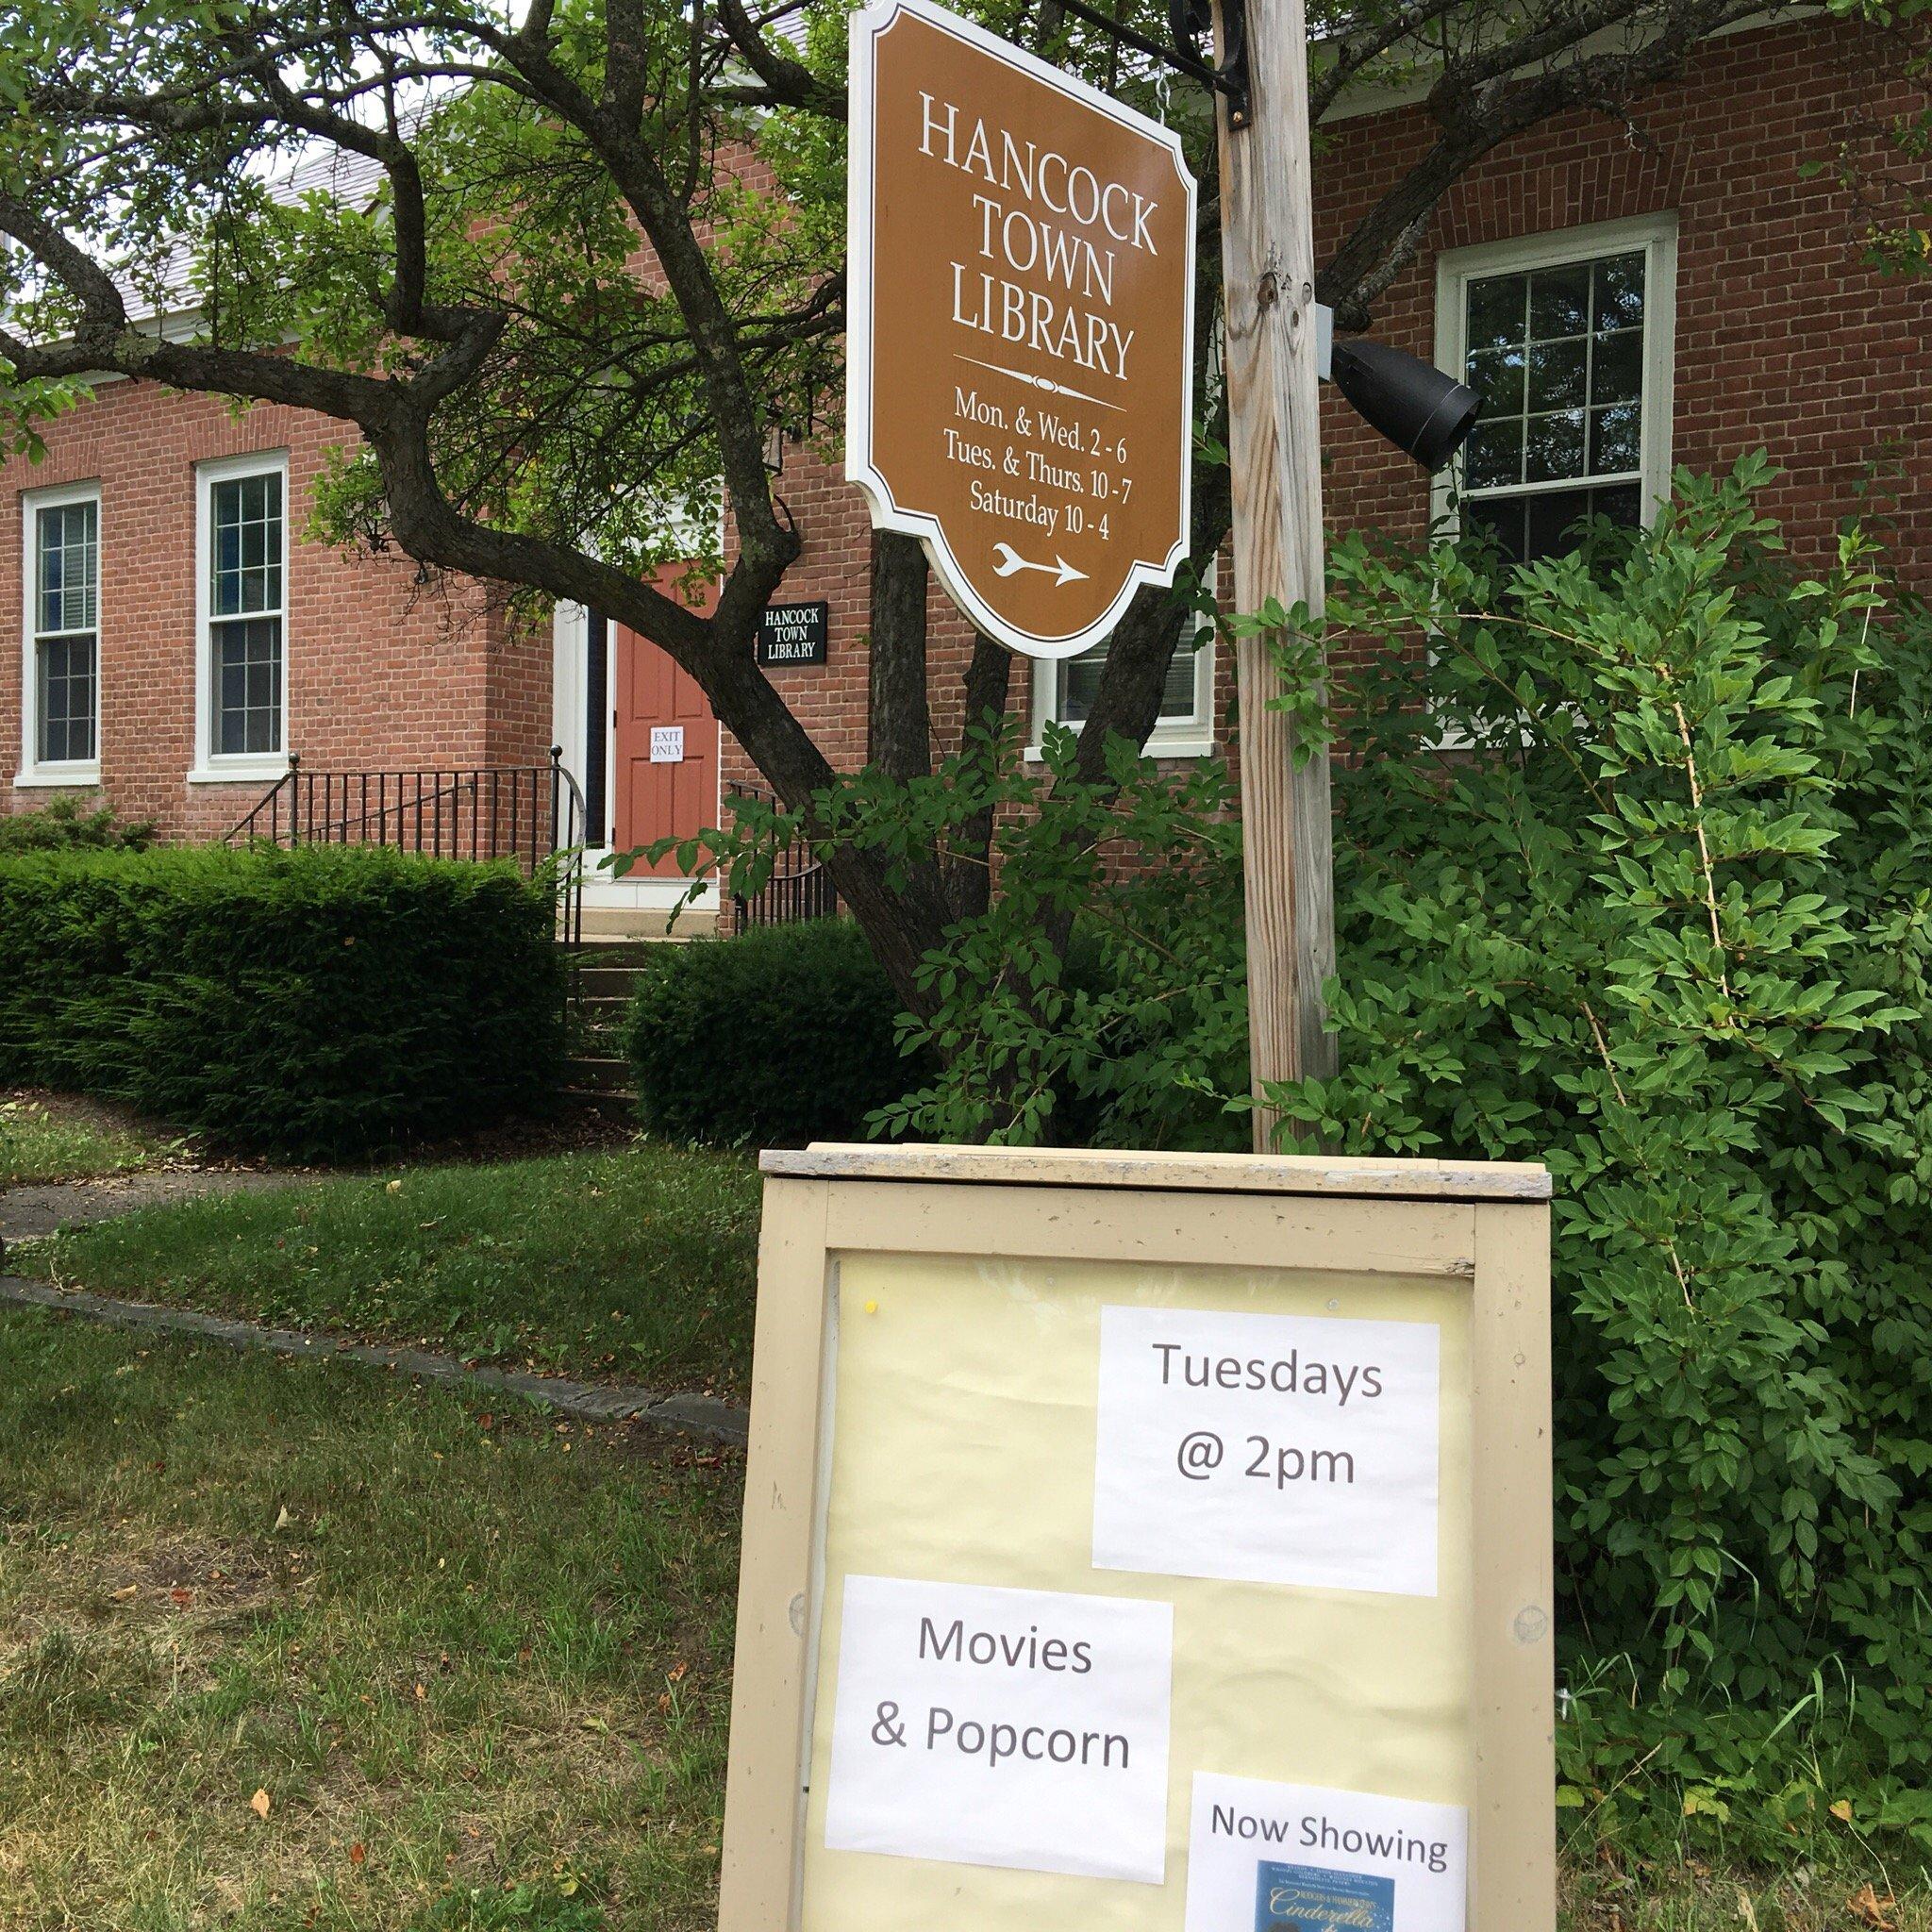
(1154, 748)
(242, 772)
(52, 777)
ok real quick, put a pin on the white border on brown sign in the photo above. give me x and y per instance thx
(867, 24)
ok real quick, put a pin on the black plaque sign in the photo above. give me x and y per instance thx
(794, 634)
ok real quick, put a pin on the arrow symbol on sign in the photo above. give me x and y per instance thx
(1010, 560)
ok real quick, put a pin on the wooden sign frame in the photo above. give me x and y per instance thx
(1479, 1231)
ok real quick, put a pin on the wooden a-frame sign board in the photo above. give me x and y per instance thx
(1146, 1543)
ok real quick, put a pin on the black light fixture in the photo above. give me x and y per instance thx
(1425, 414)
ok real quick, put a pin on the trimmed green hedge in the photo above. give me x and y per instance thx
(318, 1004)
(783, 1036)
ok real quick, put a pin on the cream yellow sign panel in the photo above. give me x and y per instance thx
(964, 1445)
(967, 1695)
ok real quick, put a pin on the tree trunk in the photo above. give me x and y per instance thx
(900, 720)
(989, 678)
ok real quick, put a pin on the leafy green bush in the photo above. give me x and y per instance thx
(779, 1037)
(321, 1004)
(1662, 918)
(61, 826)
(1089, 991)
(1096, 998)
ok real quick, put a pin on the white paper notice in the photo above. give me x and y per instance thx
(1014, 1728)
(1267, 1448)
(1296, 1856)
(667, 745)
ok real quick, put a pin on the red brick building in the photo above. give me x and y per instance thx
(1674, 291)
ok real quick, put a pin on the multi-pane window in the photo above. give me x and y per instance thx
(1079, 682)
(1186, 724)
(245, 594)
(1558, 355)
(66, 545)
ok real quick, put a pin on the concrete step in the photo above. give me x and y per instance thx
(594, 955)
(611, 987)
(609, 1019)
(609, 1107)
(602, 982)
(632, 926)
(597, 1074)
(611, 1005)
(594, 1042)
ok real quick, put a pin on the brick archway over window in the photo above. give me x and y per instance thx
(1499, 201)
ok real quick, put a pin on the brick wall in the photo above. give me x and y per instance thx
(380, 671)
(1784, 340)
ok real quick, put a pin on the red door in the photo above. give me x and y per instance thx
(666, 746)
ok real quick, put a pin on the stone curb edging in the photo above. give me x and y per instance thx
(690, 1415)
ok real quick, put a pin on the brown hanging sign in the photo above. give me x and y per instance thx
(1020, 331)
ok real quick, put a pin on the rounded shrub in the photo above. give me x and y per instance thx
(323, 1003)
(61, 826)
(782, 1036)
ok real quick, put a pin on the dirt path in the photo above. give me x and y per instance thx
(38, 1209)
(42, 1208)
(688, 1415)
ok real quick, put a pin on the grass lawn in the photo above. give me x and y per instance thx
(290, 1645)
(69, 1141)
(636, 1263)
(1696, 1898)
(473, 1664)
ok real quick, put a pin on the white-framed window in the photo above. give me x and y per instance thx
(241, 590)
(1569, 338)
(60, 661)
(1063, 692)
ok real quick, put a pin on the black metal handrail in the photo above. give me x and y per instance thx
(799, 887)
(532, 814)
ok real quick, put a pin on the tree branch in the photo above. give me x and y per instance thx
(83, 278)
(1354, 50)
(1478, 106)
(620, 144)
(787, 82)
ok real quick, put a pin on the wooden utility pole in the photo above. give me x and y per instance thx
(1267, 250)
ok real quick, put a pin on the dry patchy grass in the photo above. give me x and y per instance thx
(476, 1663)
(1694, 1897)
(478, 1670)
